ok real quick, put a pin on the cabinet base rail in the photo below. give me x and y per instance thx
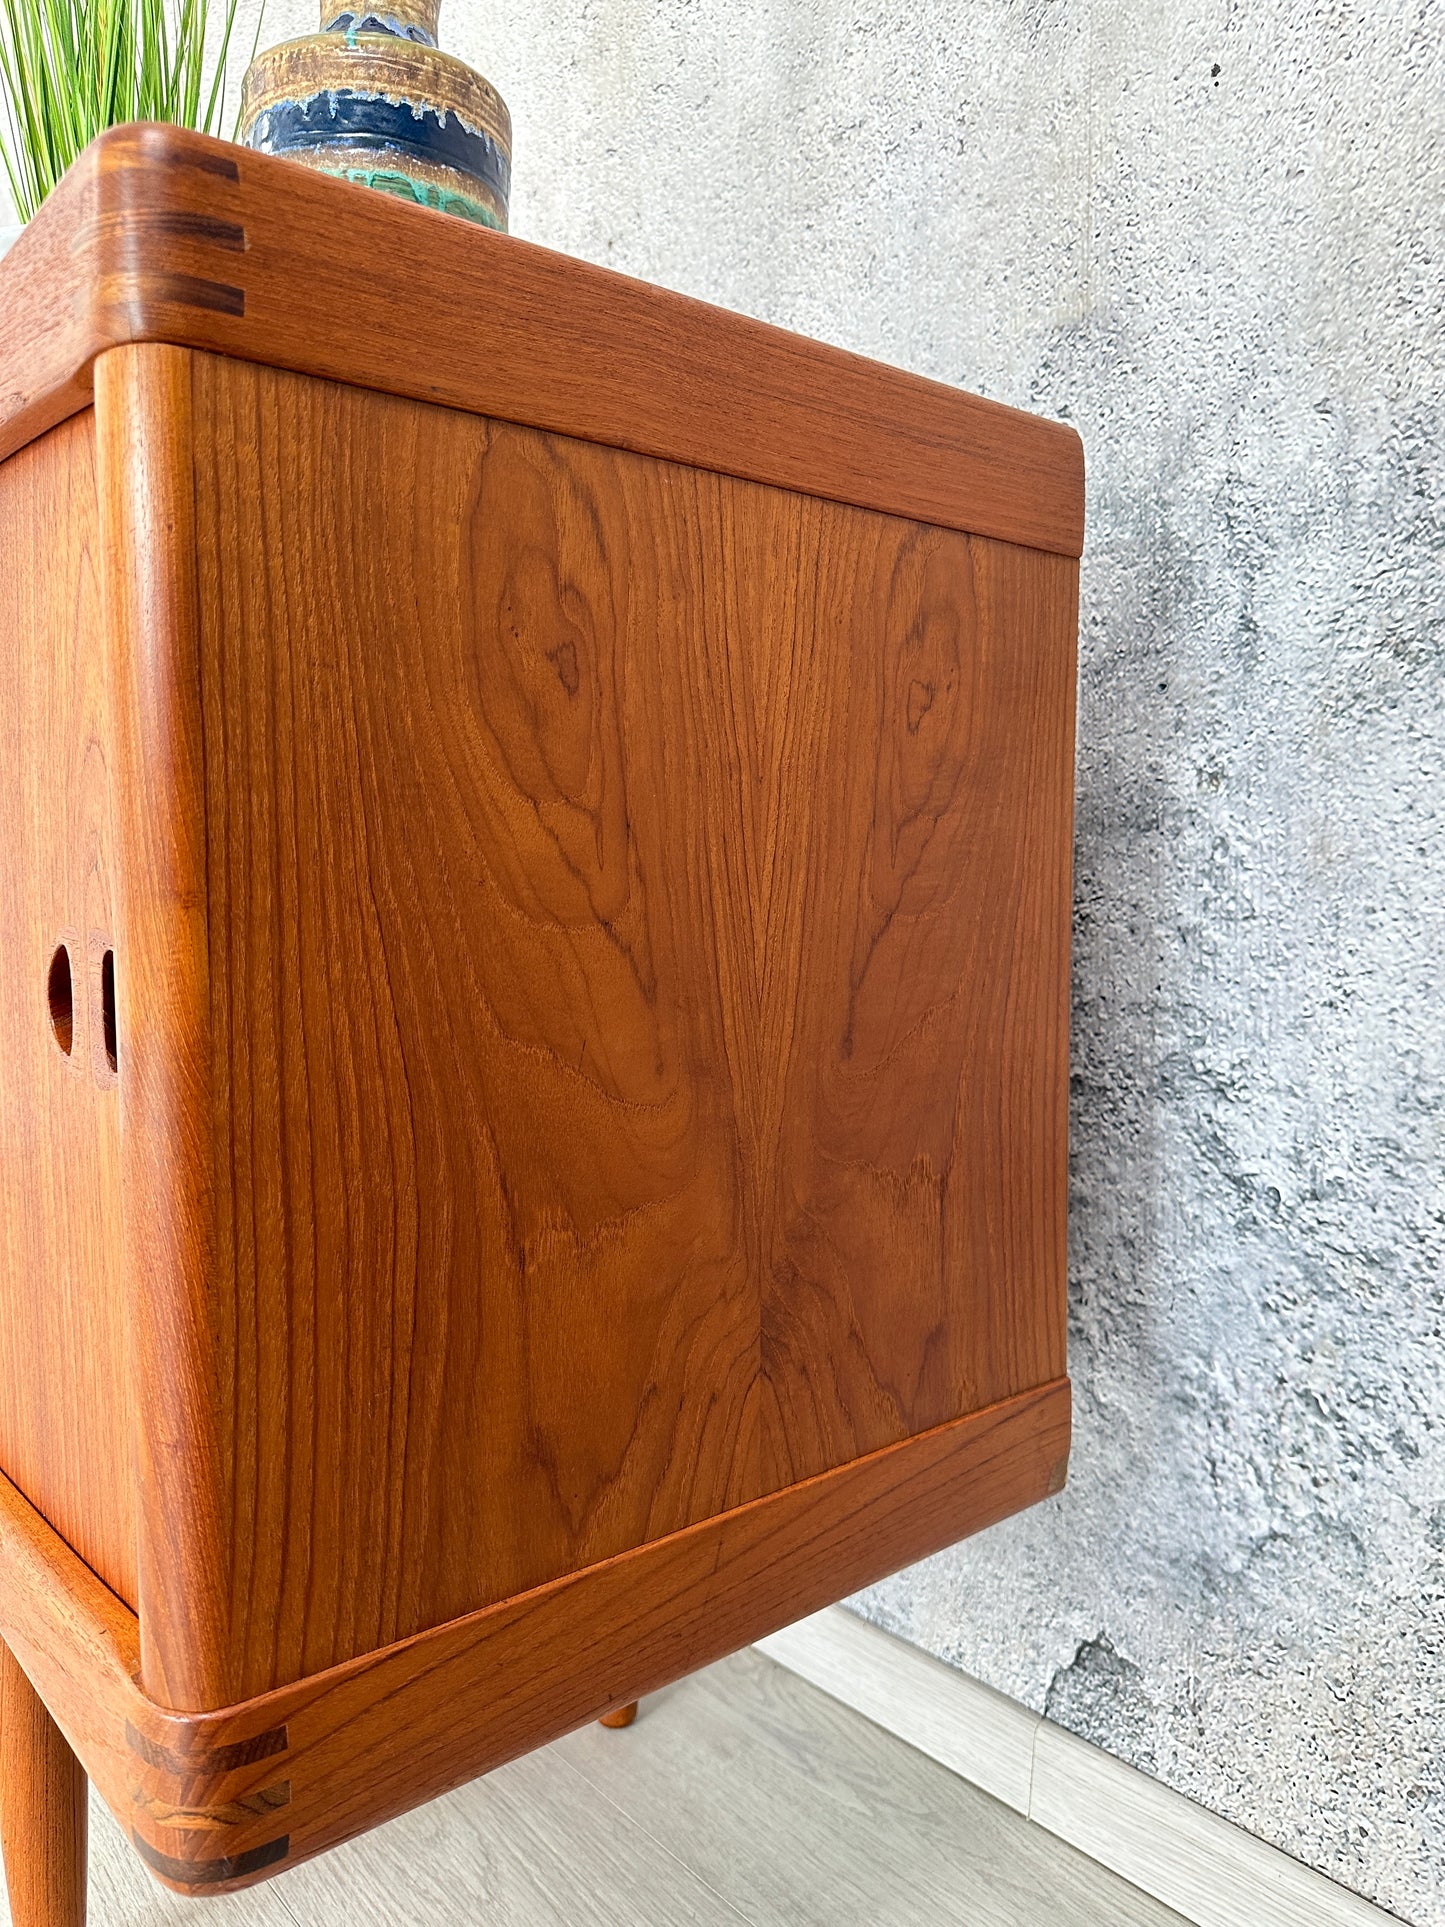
(216, 1800)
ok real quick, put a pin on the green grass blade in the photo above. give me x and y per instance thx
(71, 68)
(216, 100)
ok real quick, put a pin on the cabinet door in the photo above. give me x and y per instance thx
(64, 1376)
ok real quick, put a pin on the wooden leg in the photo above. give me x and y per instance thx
(624, 1716)
(43, 1821)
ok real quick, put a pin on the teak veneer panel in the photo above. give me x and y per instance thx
(65, 1416)
(578, 787)
(606, 1058)
(157, 234)
(216, 1800)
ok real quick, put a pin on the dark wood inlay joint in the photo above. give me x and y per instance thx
(210, 1761)
(195, 1874)
(183, 224)
(193, 291)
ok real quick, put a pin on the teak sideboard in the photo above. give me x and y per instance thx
(534, 920)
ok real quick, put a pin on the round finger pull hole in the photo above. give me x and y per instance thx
(61, 993)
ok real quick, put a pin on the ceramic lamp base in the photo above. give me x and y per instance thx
(378, 102)
(411, 179)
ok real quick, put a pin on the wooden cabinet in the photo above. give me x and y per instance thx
(534, 924)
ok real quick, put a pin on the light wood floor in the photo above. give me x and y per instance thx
(742, 1795)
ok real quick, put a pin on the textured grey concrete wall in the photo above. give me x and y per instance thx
(1210, 235)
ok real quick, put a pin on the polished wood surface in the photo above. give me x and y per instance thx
(606, 1059)
(77, 1643)
(535, 1108)
(64, 1403)
(162, 235)
(44, 1815)
(180, 1360)
(216, 1800)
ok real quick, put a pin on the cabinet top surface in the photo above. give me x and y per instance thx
(159, 234)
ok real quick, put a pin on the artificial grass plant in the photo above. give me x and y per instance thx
(71, 68)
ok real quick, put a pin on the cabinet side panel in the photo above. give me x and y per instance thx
(638, 985)
(64, 1374)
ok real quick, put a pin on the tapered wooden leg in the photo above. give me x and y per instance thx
(43, 1822)
(624, 1716)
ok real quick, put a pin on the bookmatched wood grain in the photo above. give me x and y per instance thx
(64, 1403)
(565, 902)
(595, 941)
(158, 234)
(215, 1800)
